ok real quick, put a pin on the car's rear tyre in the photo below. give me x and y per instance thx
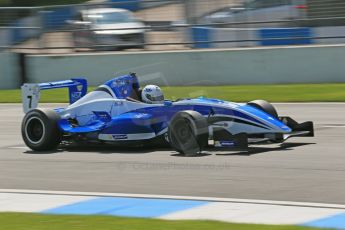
(264, 106)
(188, 132)
(40, 131)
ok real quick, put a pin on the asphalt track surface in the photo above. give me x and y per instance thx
(302, 169)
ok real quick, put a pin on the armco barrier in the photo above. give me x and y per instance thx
(201, 35)
(309, 64)
(234, 34)
(56, 18)
(132, 5)
(19, 35)
(249, 37)
(330, 31)
(45, 21)
(285, 36)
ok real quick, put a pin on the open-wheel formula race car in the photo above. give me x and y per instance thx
(114, 114)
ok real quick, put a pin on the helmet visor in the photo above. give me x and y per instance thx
(157, 98)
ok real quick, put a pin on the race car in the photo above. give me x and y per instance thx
(119, 112)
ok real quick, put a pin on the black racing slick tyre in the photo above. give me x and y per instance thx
(264, 106)
(188, 132)
(40, 131)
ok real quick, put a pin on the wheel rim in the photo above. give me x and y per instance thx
(34, 130)
(183, 132)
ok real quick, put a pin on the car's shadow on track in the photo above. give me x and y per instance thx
(203, 154)
(263, 149)
(101, 149)
(43, 152)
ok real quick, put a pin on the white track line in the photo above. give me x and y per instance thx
(219, 209)
(253, 213)
(20, 202)
(212, 199)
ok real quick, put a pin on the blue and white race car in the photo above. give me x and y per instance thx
(120, 113)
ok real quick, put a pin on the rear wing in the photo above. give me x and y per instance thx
(31, 91)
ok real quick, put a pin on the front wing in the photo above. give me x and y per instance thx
(243, 140)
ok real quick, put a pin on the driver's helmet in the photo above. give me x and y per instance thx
(152, 94)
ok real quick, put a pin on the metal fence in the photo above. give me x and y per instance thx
(171, 25)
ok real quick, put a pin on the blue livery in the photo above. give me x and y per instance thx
(114, 113)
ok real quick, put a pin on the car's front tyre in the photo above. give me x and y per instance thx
(188, 132)
(40, 131)
(264, 106)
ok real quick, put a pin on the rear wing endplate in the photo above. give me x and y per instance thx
(31, 91)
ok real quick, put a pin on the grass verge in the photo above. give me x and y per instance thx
(28, 221)
(242, 93)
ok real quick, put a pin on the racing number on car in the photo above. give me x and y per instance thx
(30, 101)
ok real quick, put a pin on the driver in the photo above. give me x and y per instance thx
(152, 94)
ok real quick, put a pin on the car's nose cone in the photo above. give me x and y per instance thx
(273, 122)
